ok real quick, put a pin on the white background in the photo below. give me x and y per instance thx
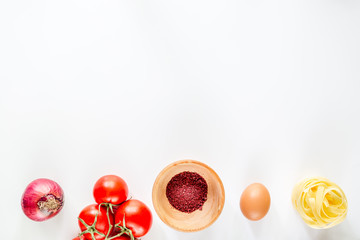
(262, 91)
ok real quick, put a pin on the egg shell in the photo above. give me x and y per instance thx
(255, 201)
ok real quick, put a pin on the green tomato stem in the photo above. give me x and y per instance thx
(92, 229)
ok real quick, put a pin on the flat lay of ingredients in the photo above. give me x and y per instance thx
(187, 195)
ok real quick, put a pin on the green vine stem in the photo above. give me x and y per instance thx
(92, 230)
(124, 230)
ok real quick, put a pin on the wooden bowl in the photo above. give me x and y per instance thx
(199, 219)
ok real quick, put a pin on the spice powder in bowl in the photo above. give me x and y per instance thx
(187, 191)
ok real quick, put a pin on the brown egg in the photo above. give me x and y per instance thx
(255, 201)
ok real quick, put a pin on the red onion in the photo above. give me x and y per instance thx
(42, 199)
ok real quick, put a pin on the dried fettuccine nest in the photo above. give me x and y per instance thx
(320, 203)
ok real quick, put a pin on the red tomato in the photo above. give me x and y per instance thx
(102, 224)
(79, 238)
(138, 217)
(110, 189)
(122, 237)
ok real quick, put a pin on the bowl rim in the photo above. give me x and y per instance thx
(213, 173)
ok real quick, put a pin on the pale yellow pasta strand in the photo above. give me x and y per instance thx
(320, 203)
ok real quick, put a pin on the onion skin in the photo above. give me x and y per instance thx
(42, 199)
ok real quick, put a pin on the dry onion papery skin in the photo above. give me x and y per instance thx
(42, 199)
(320, 202)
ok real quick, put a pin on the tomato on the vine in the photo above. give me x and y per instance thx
(79, 238)
(88, 215)
(137, 216)
(110, 189)
(122, 237)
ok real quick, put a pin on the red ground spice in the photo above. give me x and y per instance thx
(187, 191)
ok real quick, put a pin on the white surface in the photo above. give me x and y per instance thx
(262, 91)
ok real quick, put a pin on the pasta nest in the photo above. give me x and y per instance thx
(320, 203)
